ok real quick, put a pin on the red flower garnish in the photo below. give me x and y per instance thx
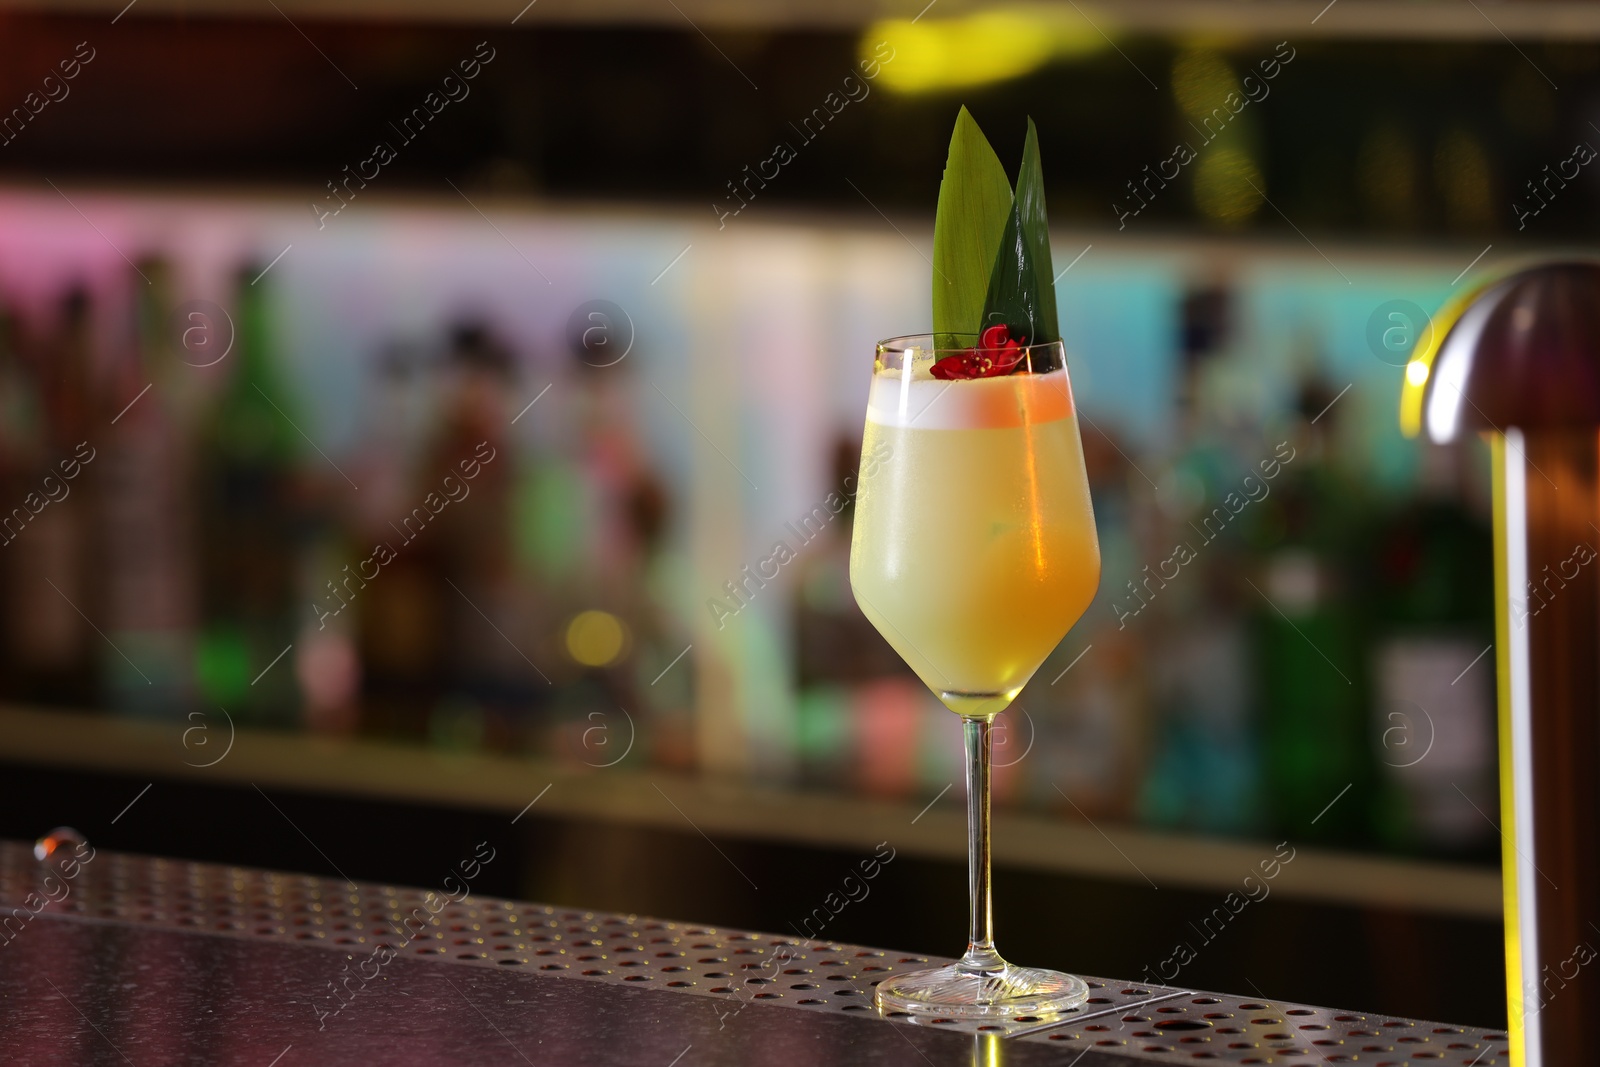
(997, 353)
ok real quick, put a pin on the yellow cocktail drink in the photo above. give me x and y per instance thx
(974, 548)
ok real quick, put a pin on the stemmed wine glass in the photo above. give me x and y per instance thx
(974, 551)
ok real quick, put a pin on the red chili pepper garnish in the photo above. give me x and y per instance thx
(997, 353)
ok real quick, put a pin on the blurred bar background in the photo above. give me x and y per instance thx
(467, 460)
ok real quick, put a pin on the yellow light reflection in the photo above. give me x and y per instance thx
(933, 54)
(1421, 363)
(1201, 80)
(595, 638)
(1228, 184)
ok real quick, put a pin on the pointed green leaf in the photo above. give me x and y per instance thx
(974, 201)
(1022, 292)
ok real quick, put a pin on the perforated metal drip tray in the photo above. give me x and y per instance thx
(748, 971)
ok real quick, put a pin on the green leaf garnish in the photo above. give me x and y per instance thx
(974, 203)
(1022, 292)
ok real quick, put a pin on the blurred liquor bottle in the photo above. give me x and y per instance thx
(54, 589)
(1202, 771)
(560, 512)
(247, 479)
(1433, 707)
(628, 572)
(465, 478)
(148, 538)
(357, 657)
(591, 516)
(398, 617)
(20, 416)
(333, 572)
(21, 449)
(663, 667)
(1309, 626)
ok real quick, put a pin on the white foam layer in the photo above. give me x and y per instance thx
(968, 404)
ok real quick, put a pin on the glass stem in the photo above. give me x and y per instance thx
(981, 956)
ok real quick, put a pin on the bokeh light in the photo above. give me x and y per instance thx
(596, 638)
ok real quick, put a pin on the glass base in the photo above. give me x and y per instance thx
(954, 992)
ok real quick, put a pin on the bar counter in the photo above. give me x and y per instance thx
(125, 959)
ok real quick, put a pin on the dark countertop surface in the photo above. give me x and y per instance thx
(150, 962)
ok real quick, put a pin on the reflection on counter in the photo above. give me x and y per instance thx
(508, 488)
